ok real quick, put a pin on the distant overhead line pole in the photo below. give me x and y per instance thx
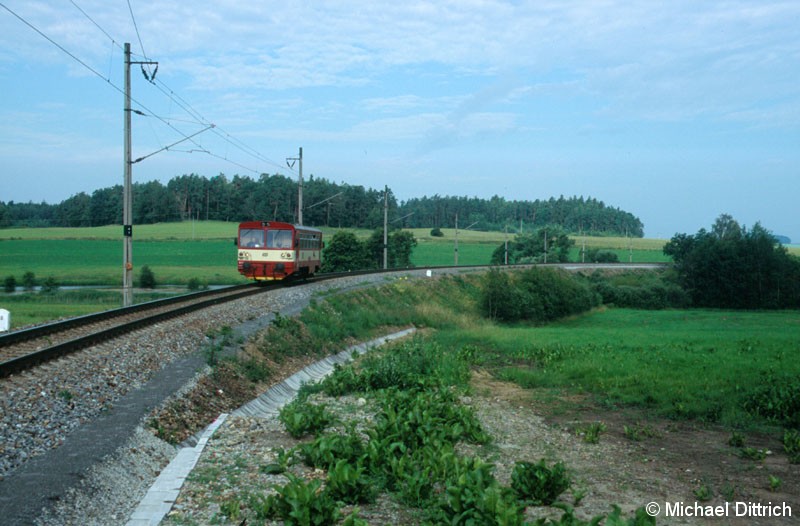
(300, 184)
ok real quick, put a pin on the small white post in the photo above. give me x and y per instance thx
(5, 320)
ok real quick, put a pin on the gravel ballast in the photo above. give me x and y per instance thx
(45, 408)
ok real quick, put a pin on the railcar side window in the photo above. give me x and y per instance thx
(279, 238)
(251, 238)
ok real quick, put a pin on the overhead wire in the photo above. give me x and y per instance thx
(191, 111)
(171, 94)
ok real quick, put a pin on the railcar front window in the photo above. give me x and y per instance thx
(279, 238)
(251, 238)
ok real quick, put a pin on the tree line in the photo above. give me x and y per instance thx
(274, 197)
(733, 267)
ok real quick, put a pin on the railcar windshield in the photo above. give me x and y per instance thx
(251, 238)
(279, 238)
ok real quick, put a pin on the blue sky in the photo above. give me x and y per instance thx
(675, 111)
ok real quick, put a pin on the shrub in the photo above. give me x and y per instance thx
(193, 284)
(437, 232)
(29, 281)
(147, 279)
(49, 286)
(595, 255)
(10, 284)
(537, 294)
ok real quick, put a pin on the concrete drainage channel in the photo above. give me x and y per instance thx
(162, 494)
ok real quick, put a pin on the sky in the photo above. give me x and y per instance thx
(674, 111)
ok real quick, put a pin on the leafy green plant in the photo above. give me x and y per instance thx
(791, 444)
(538, 484)
(703, 492)
(283, 460)
(329, 448)
(300, 418)
(300, 504)
(231, 508)
(728, 491)
(775, 483)
(473, 496)
(736, 439)
(349, 483)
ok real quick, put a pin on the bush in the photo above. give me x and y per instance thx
(147, 280)
(29, 280)
(437, 232)
(637, 290)
(49, 286)
(595, 255)
(538, 295)
(10, 284)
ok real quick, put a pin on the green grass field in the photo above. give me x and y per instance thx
(680, 364)
(176, 252)
(699, 364)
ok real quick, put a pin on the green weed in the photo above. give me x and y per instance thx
(791, 444)
(538, 484)
(640, 432)
(703, 493)
(300, 503)
(752, 453)
(301, 418)
(736, 439)
(591, 433)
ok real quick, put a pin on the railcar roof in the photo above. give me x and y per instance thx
(279, 225)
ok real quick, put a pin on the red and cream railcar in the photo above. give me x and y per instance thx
(270, 250)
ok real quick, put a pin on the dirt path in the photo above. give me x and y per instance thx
(668, 463)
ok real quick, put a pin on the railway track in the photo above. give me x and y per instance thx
(20, 350)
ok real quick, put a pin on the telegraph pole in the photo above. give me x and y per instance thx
(455, 251)
(385, 227)
(127, 200)
(300, 184)
(127, 191)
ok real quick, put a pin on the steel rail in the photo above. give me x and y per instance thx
(20, 363)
